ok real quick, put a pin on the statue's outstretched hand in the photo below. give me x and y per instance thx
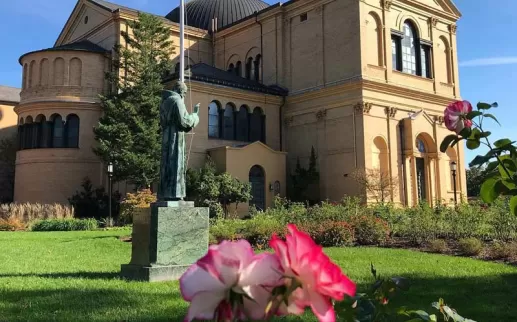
(196, 109)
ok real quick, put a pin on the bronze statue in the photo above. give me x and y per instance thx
(175, 121)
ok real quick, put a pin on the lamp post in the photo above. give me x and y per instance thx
(110, 175)
(454, 168)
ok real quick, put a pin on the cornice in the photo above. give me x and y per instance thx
(323, 92)
(428, 10)
(56, 105)
(219, 90)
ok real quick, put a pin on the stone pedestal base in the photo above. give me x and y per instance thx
(167, 238)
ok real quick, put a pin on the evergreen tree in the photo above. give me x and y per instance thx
(128, 133)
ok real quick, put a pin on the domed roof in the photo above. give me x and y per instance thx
(200, 12)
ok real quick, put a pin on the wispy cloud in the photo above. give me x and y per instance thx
(492, 61)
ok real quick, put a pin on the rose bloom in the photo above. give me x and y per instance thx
(226, 268)
(320, 279)
(455, 116)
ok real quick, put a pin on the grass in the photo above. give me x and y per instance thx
(73, 276)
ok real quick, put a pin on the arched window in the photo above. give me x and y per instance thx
(27, 140)
(374, 36)
(57, 131)
(443, 63)
(249, 68)
(257, 181)
(243, 124)
(231, 67)
(257, 125)
(409, 49)
(32, 74)
(420, 146)
(75, 72)
(238, 69)
(258, 67)
(21, 133)
(43, 72)
(24, 80)
(59, 71)
(380, 155)
(229, 122)
(213, 120)
(72, 131)
(44, 132)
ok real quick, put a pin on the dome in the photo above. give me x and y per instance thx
(200, 12)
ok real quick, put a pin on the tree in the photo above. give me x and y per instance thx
(207, 188)
(377, 183)
(303, 178)
(8, 148)
(128, 133)
(475, 178)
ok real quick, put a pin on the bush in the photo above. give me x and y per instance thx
(259, 229)
(28, 212)
(11, 224)
(438, 246)
(330, 233)
(94, 202)
(370, 230)
(500, 250)
(140, 199)
(64, 225)
(470, 246)
(227, 229)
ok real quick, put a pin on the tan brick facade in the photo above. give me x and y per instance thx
(335, 59)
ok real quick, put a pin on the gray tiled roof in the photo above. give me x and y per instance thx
(200, 12)
(83, 45)
(209, 74)
(9, 94)
(108, 5)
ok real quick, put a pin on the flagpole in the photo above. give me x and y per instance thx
(182, 40)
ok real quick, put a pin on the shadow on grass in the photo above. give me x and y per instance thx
(85, 275)
(489, 298)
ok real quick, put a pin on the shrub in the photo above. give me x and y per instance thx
(140, 199)
(470, 246)
(227, 229)
(500, 250)
(259, 229)
(11, 224)
(438, 246)
(28, 212)
(64, 224)
(370, 230)
(92, 202)
(330, 233)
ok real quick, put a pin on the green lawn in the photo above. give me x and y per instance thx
(73, 276)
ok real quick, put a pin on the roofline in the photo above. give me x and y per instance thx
(245, 146)
(61, 49)
(256, 13)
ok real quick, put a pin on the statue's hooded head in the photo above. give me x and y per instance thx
(180, 88)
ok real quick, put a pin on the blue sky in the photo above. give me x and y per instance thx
(486, 47)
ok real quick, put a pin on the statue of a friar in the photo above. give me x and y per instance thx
(175, 121)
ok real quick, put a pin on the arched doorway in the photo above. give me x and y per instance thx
(424, 144)
(258, 187)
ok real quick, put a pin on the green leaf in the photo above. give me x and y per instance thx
(474, 114)
(492, 166)
(456, 140)
(466, 132)
(473, 144)
(447, 142)
(484, 106)
(513, 205)
(502, 142)
(485, 134)
(494, 104)
(475, 134)
(492, 117)
(488, 190)
(478, 160)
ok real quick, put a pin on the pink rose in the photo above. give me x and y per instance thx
(320, 279)
(455, 116)
(230, 268)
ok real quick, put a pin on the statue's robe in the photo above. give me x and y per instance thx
(175, 121)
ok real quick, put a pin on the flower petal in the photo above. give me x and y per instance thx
(280, 248)
(264, 270)
(322, 307)
(203, 305)
(196, 280)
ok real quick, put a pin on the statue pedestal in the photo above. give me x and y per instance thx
(167, 238)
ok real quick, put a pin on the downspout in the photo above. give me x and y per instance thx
(280, 124)
(261, 46)
(404, 170)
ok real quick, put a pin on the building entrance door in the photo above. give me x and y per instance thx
(420, 179)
